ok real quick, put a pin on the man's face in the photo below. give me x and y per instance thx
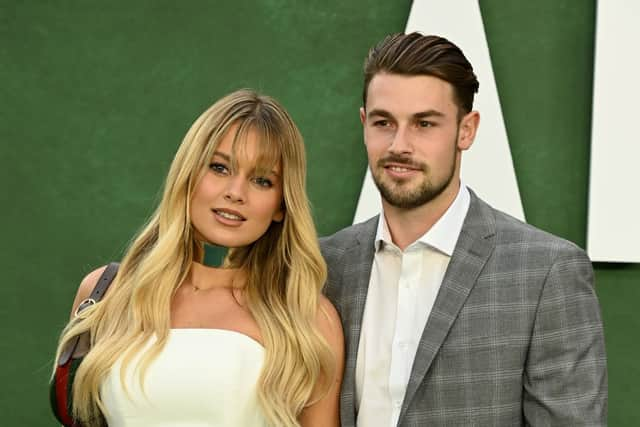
(413, 137)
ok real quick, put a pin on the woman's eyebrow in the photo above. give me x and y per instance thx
(223, 155)
(226, 157)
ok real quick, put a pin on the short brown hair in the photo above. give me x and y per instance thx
(415, 54)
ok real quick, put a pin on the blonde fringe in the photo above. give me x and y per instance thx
(285, 273)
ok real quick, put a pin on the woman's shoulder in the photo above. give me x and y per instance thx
(329, 324)
(86, 287)
(327, 308)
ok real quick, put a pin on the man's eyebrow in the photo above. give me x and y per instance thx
(428, 113)
(419, 115)
(379, 112)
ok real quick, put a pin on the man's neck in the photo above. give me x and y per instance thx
(408, 225)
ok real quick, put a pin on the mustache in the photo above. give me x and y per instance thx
(401, 160)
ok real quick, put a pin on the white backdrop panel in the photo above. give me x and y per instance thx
(614, 206)
(487, 167)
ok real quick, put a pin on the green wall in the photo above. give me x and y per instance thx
(96, 96)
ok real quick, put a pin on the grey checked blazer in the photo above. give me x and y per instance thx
(514, 338)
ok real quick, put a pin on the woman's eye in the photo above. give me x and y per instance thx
(263, 182)
(219, 168)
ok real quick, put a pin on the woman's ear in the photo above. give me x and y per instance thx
(278, 216)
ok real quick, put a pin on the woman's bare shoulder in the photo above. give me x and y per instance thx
(86, 287)
(330, 325)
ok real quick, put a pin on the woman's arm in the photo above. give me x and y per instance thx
(326, 411)
(84, 291)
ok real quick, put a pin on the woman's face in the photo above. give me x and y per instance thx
(235, 207)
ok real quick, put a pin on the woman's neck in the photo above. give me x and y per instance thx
(203, 277)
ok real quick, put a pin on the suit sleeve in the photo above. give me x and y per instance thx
(565, 378)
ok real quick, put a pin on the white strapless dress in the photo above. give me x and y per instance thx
(202, 378)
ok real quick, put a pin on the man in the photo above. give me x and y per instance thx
(454, 313)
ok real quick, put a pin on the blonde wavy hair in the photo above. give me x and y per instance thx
(284, 269)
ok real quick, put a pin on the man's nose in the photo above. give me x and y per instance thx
(401, 143)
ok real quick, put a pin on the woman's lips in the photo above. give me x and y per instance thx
(228, 216)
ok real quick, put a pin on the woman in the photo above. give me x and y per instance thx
(252, 343)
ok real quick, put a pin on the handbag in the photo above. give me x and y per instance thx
(61, 386)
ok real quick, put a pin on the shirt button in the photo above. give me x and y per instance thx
(397, 403)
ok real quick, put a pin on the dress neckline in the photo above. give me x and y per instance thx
(216, 331)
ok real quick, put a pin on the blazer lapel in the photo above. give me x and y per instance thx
(358, 260)
(472, 250)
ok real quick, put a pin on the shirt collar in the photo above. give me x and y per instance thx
(443, 235)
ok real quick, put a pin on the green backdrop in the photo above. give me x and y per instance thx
(96, 96)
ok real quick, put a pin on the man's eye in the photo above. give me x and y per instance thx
(381, 123)
(219, 168)
(425, 124)
(263, 182)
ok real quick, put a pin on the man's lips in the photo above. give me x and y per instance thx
(401, 167)
(229, 214)
(400, 170)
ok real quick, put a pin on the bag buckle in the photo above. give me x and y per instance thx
(84, 304)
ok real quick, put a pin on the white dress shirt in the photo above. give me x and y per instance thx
(402, 289)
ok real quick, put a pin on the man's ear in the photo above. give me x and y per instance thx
(363, 115)
(467, 130)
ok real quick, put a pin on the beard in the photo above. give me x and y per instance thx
(394, 193)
